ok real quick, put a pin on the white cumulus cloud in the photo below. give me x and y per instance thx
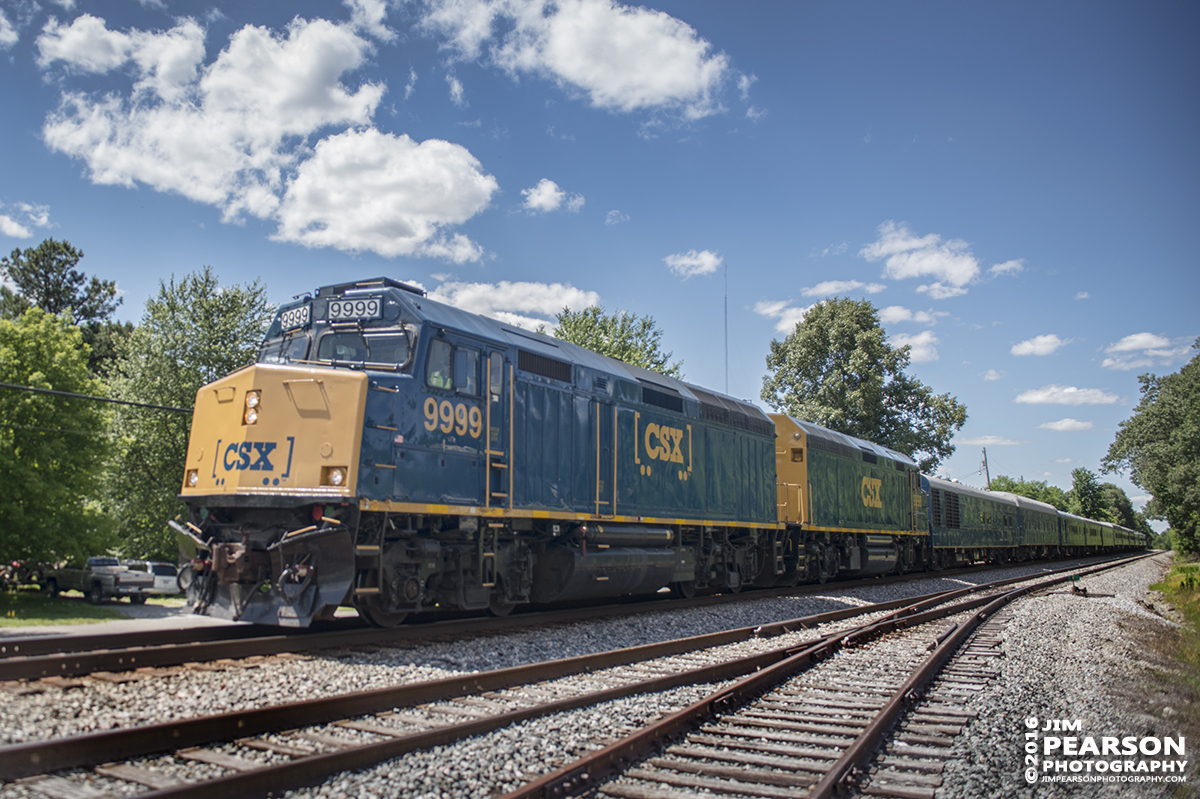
(621, 58)
(988, 441)
(1055, 394)
(367, 190)
(831, 287)
(924, 345)
(898, 313)
(691, 263)
(1067, 425)
(546, 196)
(8, 33)
(906, 255)
(1014, 267)
(20, 223)
(271, 128)
(1039, 345)
(615, 217)
(785, 314)
(992, 374)
(514, 302)
(1142, 350)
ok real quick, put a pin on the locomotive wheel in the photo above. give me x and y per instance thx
(378, 617)
(822, 566)
(499, 608)
(684, 588)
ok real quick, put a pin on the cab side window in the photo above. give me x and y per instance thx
(496, 373)
(437, 370)
(466, 371)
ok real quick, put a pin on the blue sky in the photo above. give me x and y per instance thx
(1016, 186)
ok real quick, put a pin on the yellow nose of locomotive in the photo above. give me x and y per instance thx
(275, 429)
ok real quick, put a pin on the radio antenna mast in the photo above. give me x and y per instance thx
(726, 327)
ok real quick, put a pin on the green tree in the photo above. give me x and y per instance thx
(837, 370)
(1086, 497)
(1160, 447)
(628, 337)
(52, 448)
(1034, 489)
(193, 332)
(1120, 509)
(45, 277)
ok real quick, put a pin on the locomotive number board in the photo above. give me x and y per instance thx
(294, 317)
(358, 308)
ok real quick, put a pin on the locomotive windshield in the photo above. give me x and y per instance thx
(389, 349)
(286, 348)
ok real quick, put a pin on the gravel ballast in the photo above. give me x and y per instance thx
(1063, 653)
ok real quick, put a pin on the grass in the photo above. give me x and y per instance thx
(1181, 589)
(27, 608)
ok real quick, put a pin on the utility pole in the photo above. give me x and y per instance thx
(986, 473)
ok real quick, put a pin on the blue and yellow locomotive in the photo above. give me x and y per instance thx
(399, 455)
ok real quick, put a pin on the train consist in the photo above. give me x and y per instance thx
(399, 455)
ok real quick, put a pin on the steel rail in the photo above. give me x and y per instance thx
(586, 773)
(32, 658)
(22, 760)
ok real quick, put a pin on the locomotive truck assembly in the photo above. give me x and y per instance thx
(400, 455)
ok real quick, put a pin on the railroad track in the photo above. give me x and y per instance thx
(879, 720)
(254, 752)
(24, 658)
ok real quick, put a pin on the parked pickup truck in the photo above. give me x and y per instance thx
(103, 578)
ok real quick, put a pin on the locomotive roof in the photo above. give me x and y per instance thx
(448, 317)
(816, 431)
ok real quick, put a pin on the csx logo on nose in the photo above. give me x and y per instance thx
(871, 492)
(663, 442)
(237, 456)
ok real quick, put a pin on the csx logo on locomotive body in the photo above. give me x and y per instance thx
(872, 492)
(664, 443)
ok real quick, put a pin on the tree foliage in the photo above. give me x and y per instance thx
(193, 332)
(837, 370)
(45, 277)
(628, 337)
(1033, 489)
(1160, 446)
(1086, 497)
(52, 449)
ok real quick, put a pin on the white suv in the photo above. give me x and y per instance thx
(166, 576)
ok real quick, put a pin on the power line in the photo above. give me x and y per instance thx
(96, 399)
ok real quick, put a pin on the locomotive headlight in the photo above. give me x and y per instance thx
(333, 475)
(253, 398)
(193, 478)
